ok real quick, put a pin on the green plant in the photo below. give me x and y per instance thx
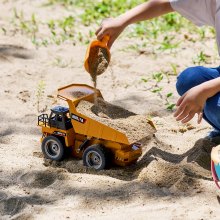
(157, 89)
(145, 80)
(169, 104)
(158, 77)
(168, 44)
(3, 30)
(200, 58)
(40, 94)
(174, 69)
(26, 26)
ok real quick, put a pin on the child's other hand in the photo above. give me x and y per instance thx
(190, 103)
(112, 27)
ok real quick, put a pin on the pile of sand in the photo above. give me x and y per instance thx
(135, 127)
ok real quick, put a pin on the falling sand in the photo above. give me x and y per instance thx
(98, 62)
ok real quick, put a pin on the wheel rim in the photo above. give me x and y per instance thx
(93, 159)
(52, 148)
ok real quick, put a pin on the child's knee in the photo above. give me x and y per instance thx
(190, 77)
(184, 80)
(212, 110)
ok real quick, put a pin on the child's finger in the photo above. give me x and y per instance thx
(188, 117)
(101, 34)
(200, 116)
(179, 110)
(183, 114)
(99, 29)
(180, 100)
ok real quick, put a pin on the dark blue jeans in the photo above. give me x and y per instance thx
(194, 76)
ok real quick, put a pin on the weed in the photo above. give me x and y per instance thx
(168, 44)
(157, 90)
(145, 80)
(40, 94)
(170, 106)
(201, 58)
(26, 26)
(174, 68)
(158, 77)
(3, 30)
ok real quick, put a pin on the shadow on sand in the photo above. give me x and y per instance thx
(13, 51)
(194, 162)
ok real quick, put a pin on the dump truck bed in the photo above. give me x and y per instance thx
(86, 122)
(83, 124)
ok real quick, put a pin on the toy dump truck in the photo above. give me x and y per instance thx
(96, 143)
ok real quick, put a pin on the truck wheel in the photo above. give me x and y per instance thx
(52, 148)
(95, 157)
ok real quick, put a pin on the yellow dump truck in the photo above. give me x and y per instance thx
(96, 143)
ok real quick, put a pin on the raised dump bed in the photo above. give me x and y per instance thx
(102, 119)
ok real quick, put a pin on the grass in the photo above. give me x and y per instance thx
(158, 34)
(67, 28)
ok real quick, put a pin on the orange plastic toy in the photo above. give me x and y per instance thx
(96, 43)
(96, 143)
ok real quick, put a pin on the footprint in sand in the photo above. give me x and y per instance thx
(38, 179)
(24, 96)
(2, 196)
(11, 206)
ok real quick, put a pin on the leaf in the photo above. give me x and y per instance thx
(157, 90)
(144, 80)
(171, 106)
(169, 94)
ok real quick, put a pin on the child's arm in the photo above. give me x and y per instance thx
(193, 101)
(114, 26)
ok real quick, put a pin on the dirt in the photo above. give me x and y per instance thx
(135, 127)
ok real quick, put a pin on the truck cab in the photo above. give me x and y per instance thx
(59, 118)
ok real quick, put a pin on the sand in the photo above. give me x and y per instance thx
(171, 180)
(77, 94)
(135, 127)
(98, 61)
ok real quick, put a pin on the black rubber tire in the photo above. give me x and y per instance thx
(100, 152)
(48, 153)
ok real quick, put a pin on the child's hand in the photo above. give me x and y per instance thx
(112, 27)
(190, 103)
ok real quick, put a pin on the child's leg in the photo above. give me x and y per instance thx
(194, 76)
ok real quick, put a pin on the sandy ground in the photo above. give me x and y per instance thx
(171, 180)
